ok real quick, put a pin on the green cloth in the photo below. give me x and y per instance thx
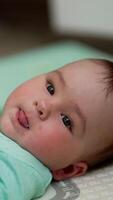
(22, 176)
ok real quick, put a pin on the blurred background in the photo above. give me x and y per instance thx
(28, 24)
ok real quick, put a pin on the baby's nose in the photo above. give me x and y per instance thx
(43, 109)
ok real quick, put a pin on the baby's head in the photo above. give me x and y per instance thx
(64, 117)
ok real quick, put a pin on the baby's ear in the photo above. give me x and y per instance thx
(77, 169)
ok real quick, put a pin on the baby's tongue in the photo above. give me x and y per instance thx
(23, 119)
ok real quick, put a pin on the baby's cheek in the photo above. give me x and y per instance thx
(48, 138)
(52, 139)
(12, 100)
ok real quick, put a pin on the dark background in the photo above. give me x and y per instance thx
(24, 24)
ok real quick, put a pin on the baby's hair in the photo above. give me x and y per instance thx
(107, 77)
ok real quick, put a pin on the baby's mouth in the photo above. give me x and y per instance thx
(22, 119)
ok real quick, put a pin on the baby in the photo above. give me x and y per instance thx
(64, 118)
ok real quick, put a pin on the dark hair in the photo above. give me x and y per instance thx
(107, 77)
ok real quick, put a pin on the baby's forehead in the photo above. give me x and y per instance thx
(86, 63)
(82, 67)
(86, 72)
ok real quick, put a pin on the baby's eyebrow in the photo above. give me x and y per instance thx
(81, 116)
(60, 76)
(76, 107)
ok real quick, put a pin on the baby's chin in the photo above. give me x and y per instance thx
(6, 126)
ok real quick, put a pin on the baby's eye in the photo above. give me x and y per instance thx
(67, 122)
(50, 88)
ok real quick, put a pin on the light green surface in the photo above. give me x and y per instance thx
(22, 176)
(18, 68)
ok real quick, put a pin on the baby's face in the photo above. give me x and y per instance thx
(61, 117)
